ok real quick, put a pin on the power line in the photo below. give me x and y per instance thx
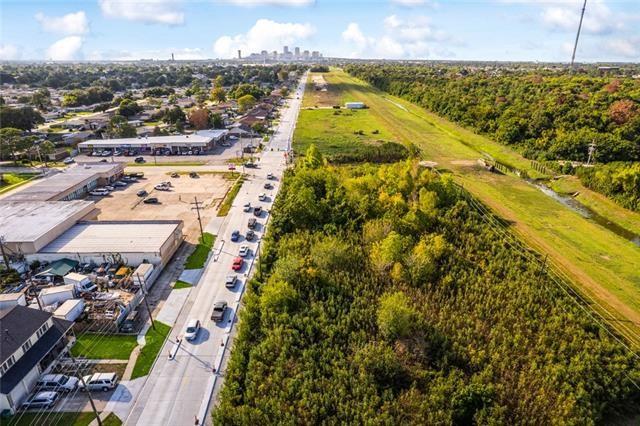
(575, 46)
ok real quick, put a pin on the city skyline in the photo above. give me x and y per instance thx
(509, 30)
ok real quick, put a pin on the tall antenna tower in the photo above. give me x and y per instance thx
(575, 46)
(592, 151)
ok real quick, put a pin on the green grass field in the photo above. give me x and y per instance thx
(199, 256)
(154, 341)
(181, 284)
(226, 204)
(11, 181)
(52, 419)
(604, 265)
(104, 347)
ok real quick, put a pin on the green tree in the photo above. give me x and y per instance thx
(218, 94)
(246, 102)
(312, 158)
(46, 148)
(129, 108)
(120, 128)
(396, 316)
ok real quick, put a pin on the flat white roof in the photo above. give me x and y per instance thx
(50, 187)
(201, 137)
(57, 289)
(113, 237)
(26, 221)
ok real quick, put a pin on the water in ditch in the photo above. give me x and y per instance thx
(588, 213)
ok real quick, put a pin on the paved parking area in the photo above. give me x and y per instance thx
(124, 204)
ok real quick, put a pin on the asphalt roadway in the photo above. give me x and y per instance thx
(180, 387)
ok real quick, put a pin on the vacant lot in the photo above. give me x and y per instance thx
(338, 131)
(124, 204)
(601, 263)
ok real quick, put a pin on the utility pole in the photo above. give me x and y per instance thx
(575, 46)
(592, 151)
(5, 258)
(197, 209)
(143, 285)
(93, 405)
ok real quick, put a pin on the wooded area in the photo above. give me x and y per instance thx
(546, 117)
(384, 298)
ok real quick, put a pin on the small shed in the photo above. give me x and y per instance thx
(354, 105)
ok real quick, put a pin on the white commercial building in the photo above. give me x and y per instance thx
(202, 140)
(134, 242)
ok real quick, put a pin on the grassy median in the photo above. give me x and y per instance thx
(154, 340)
(199, 256)
(228, 199)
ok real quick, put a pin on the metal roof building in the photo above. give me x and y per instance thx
(201, 139)
(26, 227)
(69, 184)
(134, 241)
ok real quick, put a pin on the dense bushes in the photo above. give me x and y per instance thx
(383, 152)
(620, 181)
(93, 95)
(546, 117)
(384, 299)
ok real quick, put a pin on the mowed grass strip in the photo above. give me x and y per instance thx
(199, 256)
(600, 263)
(11, 181)
(154, 340)
(95, 346)
(228, 199)
(52, 419)
(181, 284)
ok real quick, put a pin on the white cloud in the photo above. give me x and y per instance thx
(414, 37)
(264, 35)
(628, 48)
(71, 23)
(9, 52)
(165, 12)
(295, 3)
(66, 49)
(598, 18)
(410, 3)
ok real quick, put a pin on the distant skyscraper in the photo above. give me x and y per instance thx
(315, 54)
(285, 50)
(297, 52)
(305, 54)
(239, 54)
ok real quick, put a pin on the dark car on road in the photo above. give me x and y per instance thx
(219, 309)
(250, 235)
(235, 235)
(139, 160)
(257, 211)
(142, 193)
(268, 186)
(252, 223)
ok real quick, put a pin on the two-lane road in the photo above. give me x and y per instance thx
(179, 390)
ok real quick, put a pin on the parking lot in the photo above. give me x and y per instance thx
(217, 155)
(124, 203)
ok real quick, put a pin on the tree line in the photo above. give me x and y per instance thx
(544, 116)
(619, 181)
(383, 298)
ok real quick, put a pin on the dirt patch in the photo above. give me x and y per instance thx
(124, 204)
(466, 163)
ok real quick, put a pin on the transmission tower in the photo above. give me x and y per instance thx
(575, 46)
(592, 151)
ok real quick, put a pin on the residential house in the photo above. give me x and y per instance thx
(30, 341)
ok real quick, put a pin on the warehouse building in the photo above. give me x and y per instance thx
(134, 242)
(74, 183)
(202, 140)
(26, 227)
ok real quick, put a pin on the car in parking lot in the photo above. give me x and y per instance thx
(193, 175)
(191, 332)
(99, 192)
(120, 183)
(235, 235)
(139, 160)
(68, 160)
(99, 381)
(151, 200)
(270, 176)
(230, 281)
(109, 188)
(262, 196)
(142, 193)
(162, 187)
(238, 262)
(57, 382)
(244, 251)
(219, 309)
(45, 399)
(268, 186)
(250, 235)
(247, 207)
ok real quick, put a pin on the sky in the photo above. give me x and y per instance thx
(501, 30)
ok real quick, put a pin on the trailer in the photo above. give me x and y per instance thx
(143, 274)
(50, 295)
(70, 310)
(82, 283)
(9, 300)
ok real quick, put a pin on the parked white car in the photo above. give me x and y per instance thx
(99, 192)
(57, 382)
(41, 400)
(244, 251)
(262, 196)
(100, 381)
